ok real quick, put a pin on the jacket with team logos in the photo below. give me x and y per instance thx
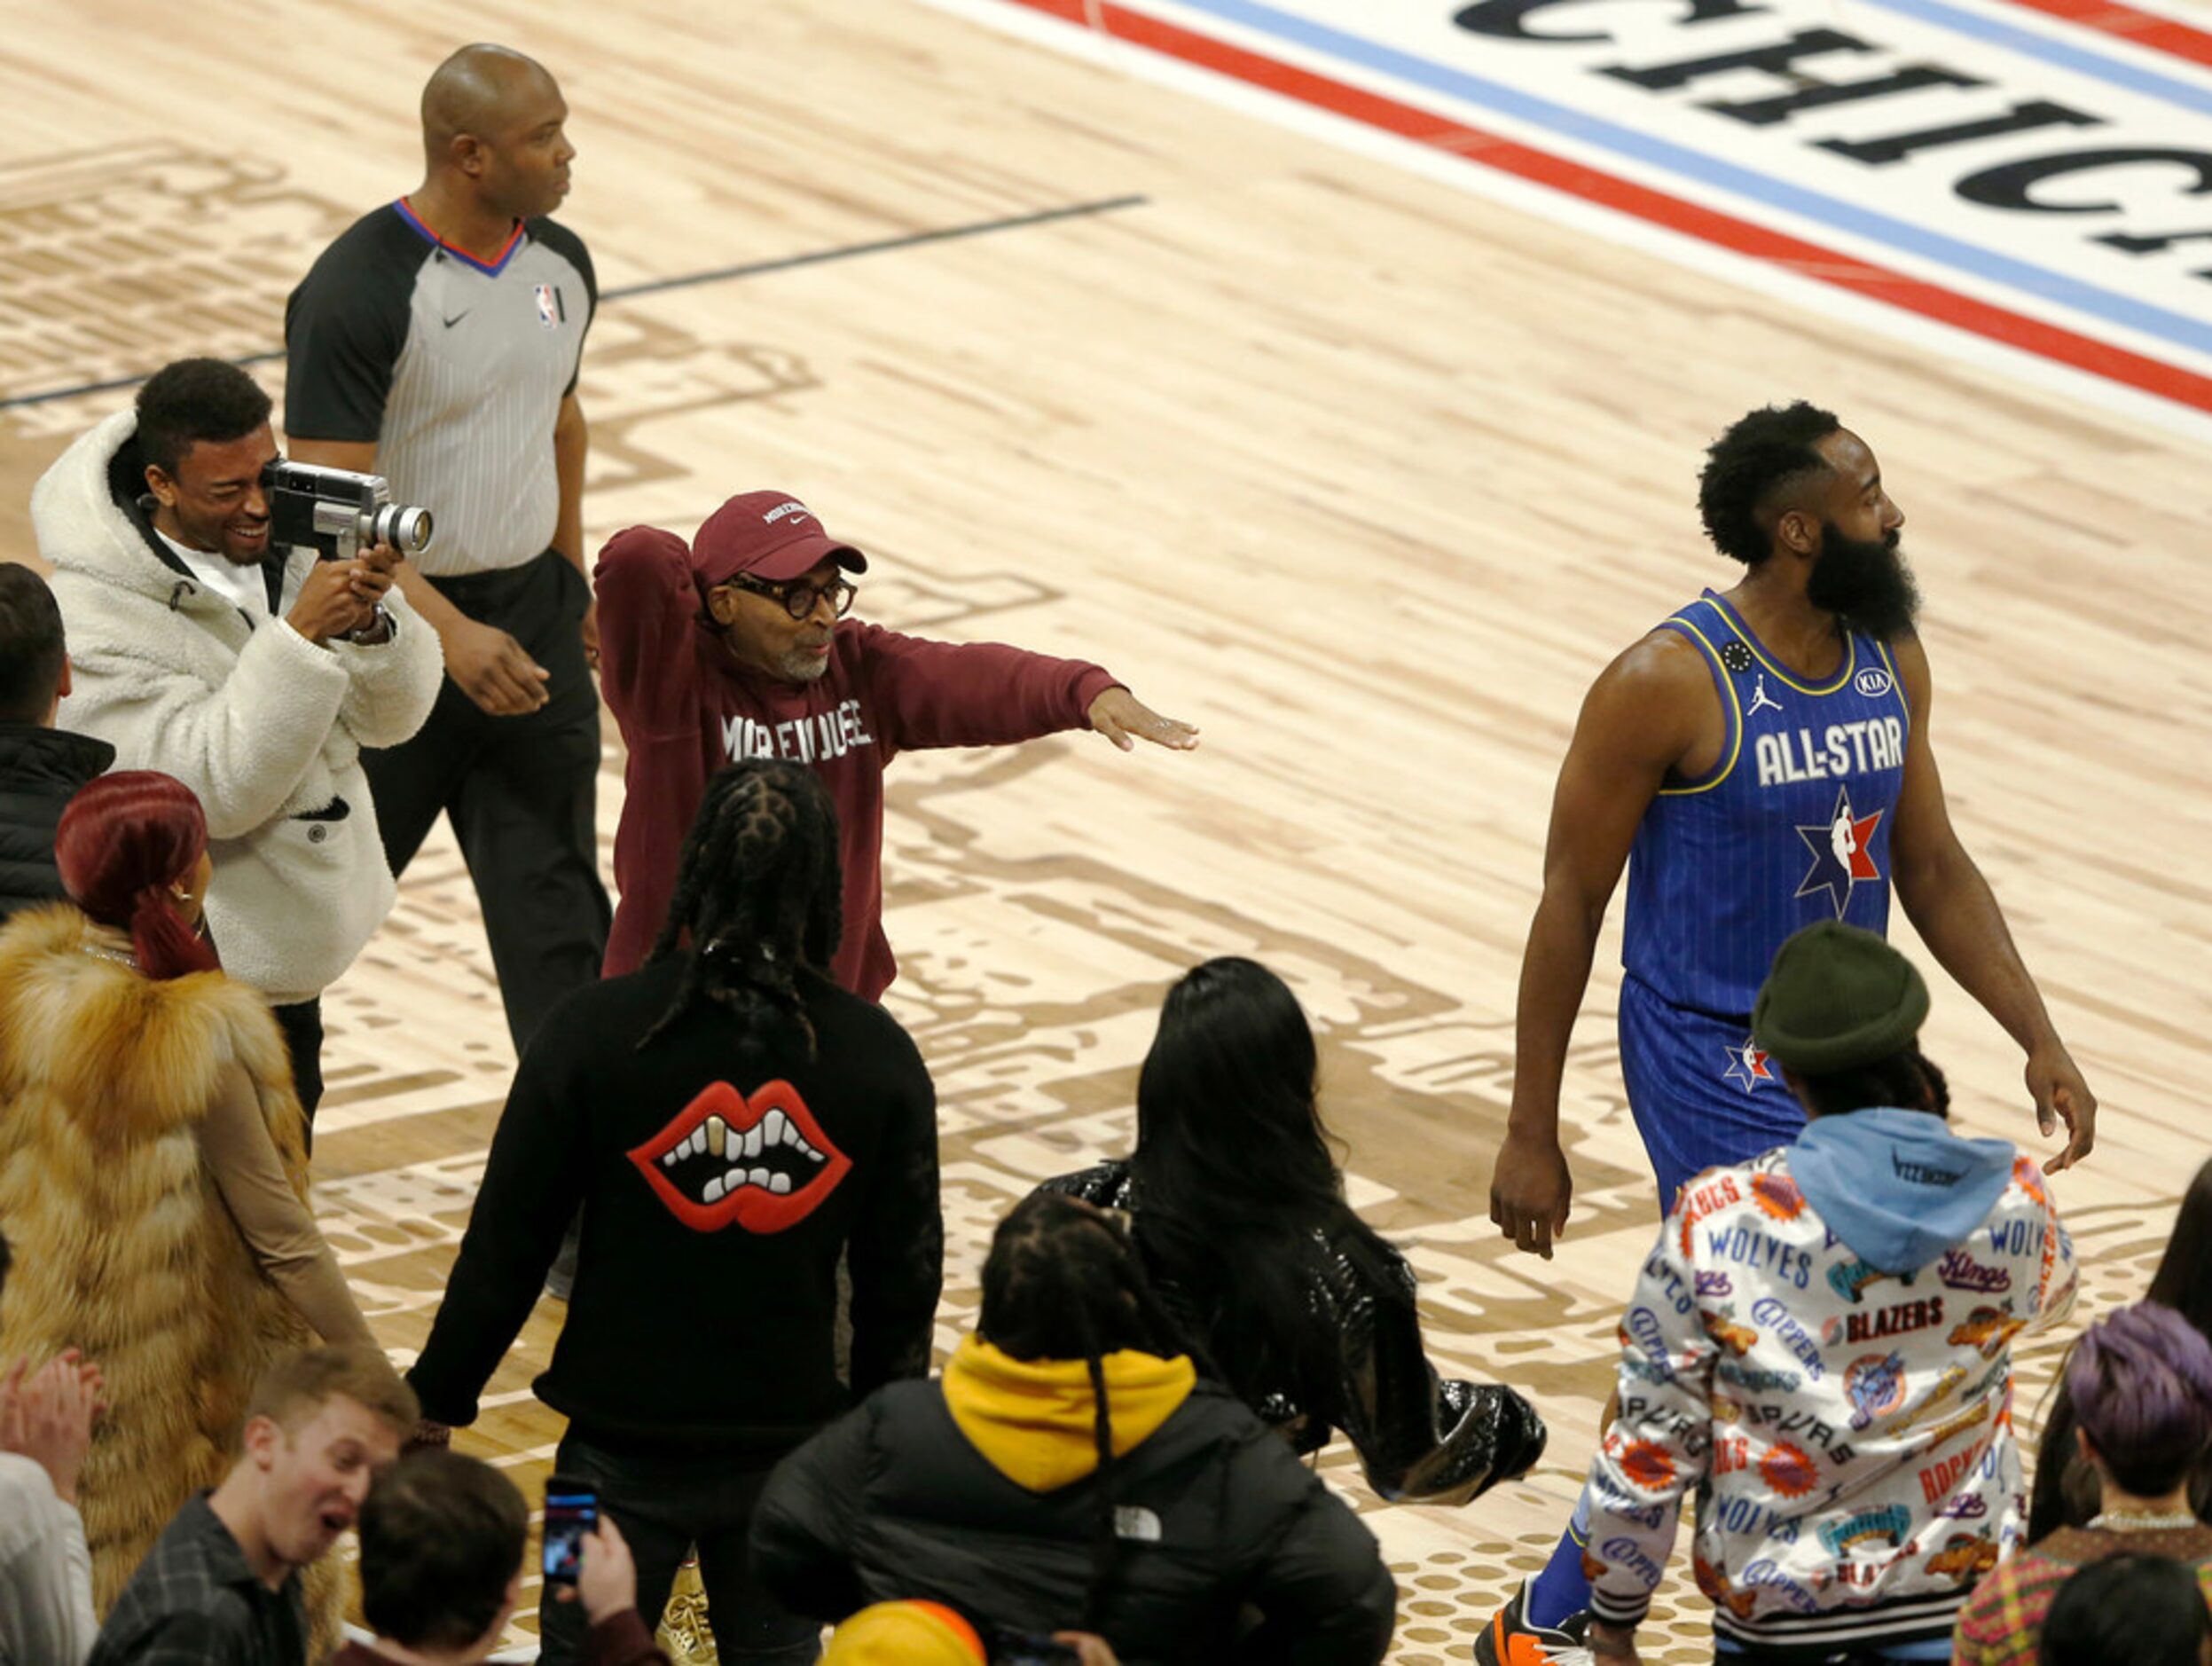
(1819, 1352)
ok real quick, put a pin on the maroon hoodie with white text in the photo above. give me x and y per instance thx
(686, 710)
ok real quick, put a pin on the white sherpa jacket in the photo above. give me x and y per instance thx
(265, 727)
(1818, 1356)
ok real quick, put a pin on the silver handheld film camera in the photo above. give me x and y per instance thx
(339, 511)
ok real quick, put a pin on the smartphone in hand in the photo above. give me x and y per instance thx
(571, 1513)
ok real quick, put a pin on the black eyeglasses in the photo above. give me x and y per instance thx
(798, 599)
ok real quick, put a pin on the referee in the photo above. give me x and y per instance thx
(437, 342)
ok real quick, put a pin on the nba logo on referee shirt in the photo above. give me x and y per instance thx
(549, 306)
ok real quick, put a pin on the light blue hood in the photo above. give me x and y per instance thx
(1898, 1186)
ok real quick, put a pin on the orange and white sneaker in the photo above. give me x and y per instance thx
(1510, 1640)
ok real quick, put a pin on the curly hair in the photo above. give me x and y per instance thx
(193, 400)
(1759, 455)
(757, 893)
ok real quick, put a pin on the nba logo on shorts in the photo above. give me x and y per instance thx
(548, 307)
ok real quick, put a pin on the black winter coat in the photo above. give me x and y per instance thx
(1217, 1515)
(40, 772)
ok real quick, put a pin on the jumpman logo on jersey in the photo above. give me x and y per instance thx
(1840, 860)
(1760, 700)
(1746, 1065)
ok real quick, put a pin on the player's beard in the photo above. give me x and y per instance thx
(1865, 583)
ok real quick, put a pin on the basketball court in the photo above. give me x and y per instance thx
(1337, 372)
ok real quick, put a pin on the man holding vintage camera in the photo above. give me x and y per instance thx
(208, 641)
(437, 341)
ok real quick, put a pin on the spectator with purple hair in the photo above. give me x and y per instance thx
(2141, 1384)
(2066, 1490)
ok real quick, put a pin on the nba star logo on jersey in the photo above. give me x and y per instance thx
(1746, 1065)
(1839, 847)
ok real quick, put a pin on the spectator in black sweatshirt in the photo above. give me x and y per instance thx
(731, 1122)
(41, 767)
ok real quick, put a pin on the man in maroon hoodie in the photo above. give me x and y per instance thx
(738, 647)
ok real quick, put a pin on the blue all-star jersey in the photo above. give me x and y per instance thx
(1791, 826)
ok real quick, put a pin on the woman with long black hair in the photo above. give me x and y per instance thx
(1291, 1298)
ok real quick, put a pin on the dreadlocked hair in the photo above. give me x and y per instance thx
(757, 893)
(1062, 1282)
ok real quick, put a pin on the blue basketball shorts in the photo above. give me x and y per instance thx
(1701, 1092)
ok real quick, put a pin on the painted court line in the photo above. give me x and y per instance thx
(1657, 207)
(1751, 184)
(2028, 44)
(2142, 28)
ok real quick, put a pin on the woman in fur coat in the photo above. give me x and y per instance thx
(153, 1174)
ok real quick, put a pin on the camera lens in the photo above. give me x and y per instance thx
(403, 527)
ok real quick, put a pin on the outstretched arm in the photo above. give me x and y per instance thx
(1641, 718)
(1956, 914)
(987, 694)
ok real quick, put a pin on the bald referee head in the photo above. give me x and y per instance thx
(494, 127)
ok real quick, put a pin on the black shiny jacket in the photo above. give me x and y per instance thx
(1421, 1439)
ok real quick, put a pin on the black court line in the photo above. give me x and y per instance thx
(720, 274)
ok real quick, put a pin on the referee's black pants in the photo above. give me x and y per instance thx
(522, 793)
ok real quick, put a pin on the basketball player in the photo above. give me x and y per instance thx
(1760, 762)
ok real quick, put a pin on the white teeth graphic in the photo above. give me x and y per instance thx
(791, 1136)
(717, 1131)
(752, 1141)
(771, 1127)
(779, 1183)
(714, 1189)
(813, 1156)
(668, 1159)
(758, 1178)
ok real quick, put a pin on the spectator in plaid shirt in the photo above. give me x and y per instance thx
(222, 1583)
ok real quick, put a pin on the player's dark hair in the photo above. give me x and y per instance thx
(1235, 1175)
(1062, 1282)
(1759, 456)
(442, 1538)
(193, 401)
(759, 895)
(31, 646)
(2135, 1607)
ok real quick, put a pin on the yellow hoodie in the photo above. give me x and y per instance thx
(1035, 1420)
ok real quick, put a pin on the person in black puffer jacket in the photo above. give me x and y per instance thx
(1293, 1301)
(1071, 1471)
(41, 767)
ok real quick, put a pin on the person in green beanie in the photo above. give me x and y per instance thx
(1819, 1346)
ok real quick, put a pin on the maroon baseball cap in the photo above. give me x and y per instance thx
(767, 535)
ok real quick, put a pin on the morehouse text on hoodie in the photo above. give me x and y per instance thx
(1819, 1350)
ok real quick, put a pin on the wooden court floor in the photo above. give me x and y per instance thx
(1365, 475)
